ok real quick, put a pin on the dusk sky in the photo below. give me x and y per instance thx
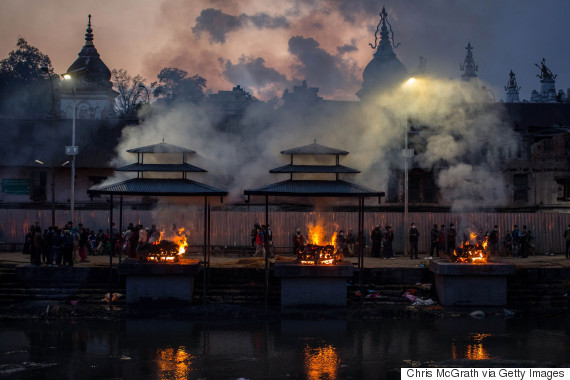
(267, 46)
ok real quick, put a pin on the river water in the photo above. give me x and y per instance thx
(287, 349)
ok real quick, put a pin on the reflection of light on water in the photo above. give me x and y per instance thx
(321, 362)
(472, 351)
(173, 363)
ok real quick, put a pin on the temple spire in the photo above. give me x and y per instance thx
(386, 42)
(469, 67)
(512, 89)
(89, 34)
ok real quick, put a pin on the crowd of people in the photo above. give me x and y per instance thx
(71, 244)
(443, 241)
(64, 246)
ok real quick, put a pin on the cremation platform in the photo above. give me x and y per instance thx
(323, 285)
(151, 282)
(482, 284)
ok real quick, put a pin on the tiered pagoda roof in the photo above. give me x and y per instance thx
(159, 186)
(313, 187)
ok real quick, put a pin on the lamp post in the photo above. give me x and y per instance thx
(73, 149)
(46, 70)
(406, 153)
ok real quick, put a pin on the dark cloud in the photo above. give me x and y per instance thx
(252, 72)
(346, 48)
(263, 20)
(218, 24)
(317, 66)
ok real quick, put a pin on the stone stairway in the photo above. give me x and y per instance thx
(55, 284)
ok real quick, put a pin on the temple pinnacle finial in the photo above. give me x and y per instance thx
(315, 141)
(89, 34)
(469, 67)
(163, 140)
(386, 35)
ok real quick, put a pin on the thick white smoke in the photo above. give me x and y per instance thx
(456, 132)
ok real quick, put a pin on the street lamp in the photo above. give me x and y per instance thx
(406, 153)
(72, 150)
(46, 70)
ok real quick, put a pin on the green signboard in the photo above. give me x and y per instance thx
(16, 186)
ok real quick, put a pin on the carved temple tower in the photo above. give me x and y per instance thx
(512, 89)
(547, 92)
(94, 94)
(385, 70)
(469, 67)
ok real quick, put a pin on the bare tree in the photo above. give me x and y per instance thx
(133, 92)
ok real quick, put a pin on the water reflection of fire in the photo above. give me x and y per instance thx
(472, 351)
(173, 363)
(165, 250)
(319, 250)
(471, 251)
(321, 362)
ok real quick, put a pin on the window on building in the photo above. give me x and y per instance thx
(393, 189)
(38, 182)
(414, 180)
(520, 185)
(430, 189)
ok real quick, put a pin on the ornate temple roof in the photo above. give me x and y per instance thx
(314, 148)
(384, 70)
(159, 186)
(90, 71)
(512, 89)
(315, 187)
(468, 66)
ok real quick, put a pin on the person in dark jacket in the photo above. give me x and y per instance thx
(414, 235)
(67, 247)
(376, 241)
(451, 236)
(434, 239)
(387, 239)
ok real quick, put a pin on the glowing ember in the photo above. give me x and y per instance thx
(167, 250)
(471, 251)
(319, 250)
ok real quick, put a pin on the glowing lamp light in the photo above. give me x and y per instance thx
(411, 80)
(66, 76)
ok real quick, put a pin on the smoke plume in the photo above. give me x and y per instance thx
(456, 131)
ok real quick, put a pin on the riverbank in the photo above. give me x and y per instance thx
(235, 291)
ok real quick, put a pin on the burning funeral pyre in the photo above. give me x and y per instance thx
(319, 250)
(163, 249)
(472, 250)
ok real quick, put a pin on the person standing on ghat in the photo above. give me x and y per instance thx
(350, 241)
(434, 241)
(376, 237)
(414, 235)
(253, 234)
(269, 237)
(259, 242)
(442, 247)
(387, 239)
(494, 240)
(298, 242)
(451, 235)
(515, 241)
(567, 239)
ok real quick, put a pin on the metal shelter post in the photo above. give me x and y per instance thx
(111, 252)
(120, 224)
(266, 252)
(205, 247)
(360, 248)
